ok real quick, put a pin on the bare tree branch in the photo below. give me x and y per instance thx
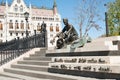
(86, 15)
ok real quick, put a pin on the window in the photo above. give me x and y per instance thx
(21, 8)
(16, 25)
(18, 1)
(57, 28)
(38, 27)
(10, 34)
(1, 26)
(22, 25)
(33, 18)
(51, 28)
(16, 8)
(57, 19)
(22, 34)
(16, 34)
(27, 25)
(11, 25)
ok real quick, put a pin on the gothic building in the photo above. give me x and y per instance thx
(13, 23)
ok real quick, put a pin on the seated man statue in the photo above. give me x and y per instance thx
(66, 36)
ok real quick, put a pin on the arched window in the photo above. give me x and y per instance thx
(38, 27)
(16, 8)
(1, 26)
(10, 24)
(18, 1)
(11, 34)
(16, 25)
(51, 28)
(27, 25)
(16, 34)
(22, 25)
(57, 28)
(21, 8)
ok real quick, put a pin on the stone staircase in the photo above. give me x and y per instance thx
(34, 67)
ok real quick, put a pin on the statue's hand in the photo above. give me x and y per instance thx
(65, 35)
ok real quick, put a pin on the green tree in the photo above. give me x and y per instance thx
(113, 15)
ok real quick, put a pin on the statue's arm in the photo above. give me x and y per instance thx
(57, 35)
(69, 29)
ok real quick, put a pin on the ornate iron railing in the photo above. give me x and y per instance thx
(14, 48)
(8, 55)
(37, 40)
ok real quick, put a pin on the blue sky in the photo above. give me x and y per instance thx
(67, 9)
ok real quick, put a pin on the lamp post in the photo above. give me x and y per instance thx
(26, 14)
(106, 22)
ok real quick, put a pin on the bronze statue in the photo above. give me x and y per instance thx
(43, 27)
(66, 36)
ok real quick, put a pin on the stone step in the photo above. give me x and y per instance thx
(38, 74)
(41, 51)
(4, 76)
(18, 77)
(37, 58)
(38, 54)
(32, 62)
(30, 67)
(7, 78)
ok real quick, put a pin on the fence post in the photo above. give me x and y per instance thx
(35, 38)
(45, 39)
(1, 57)
(18, 43)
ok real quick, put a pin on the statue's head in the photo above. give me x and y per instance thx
(65, 21)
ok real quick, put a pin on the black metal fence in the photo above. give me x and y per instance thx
(8, 55)
(14, 48)
(38, 40)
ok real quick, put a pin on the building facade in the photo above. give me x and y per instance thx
(13, 23)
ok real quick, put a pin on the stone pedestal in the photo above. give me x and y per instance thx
(101, 56)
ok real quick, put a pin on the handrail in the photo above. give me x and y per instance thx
(17, 47)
